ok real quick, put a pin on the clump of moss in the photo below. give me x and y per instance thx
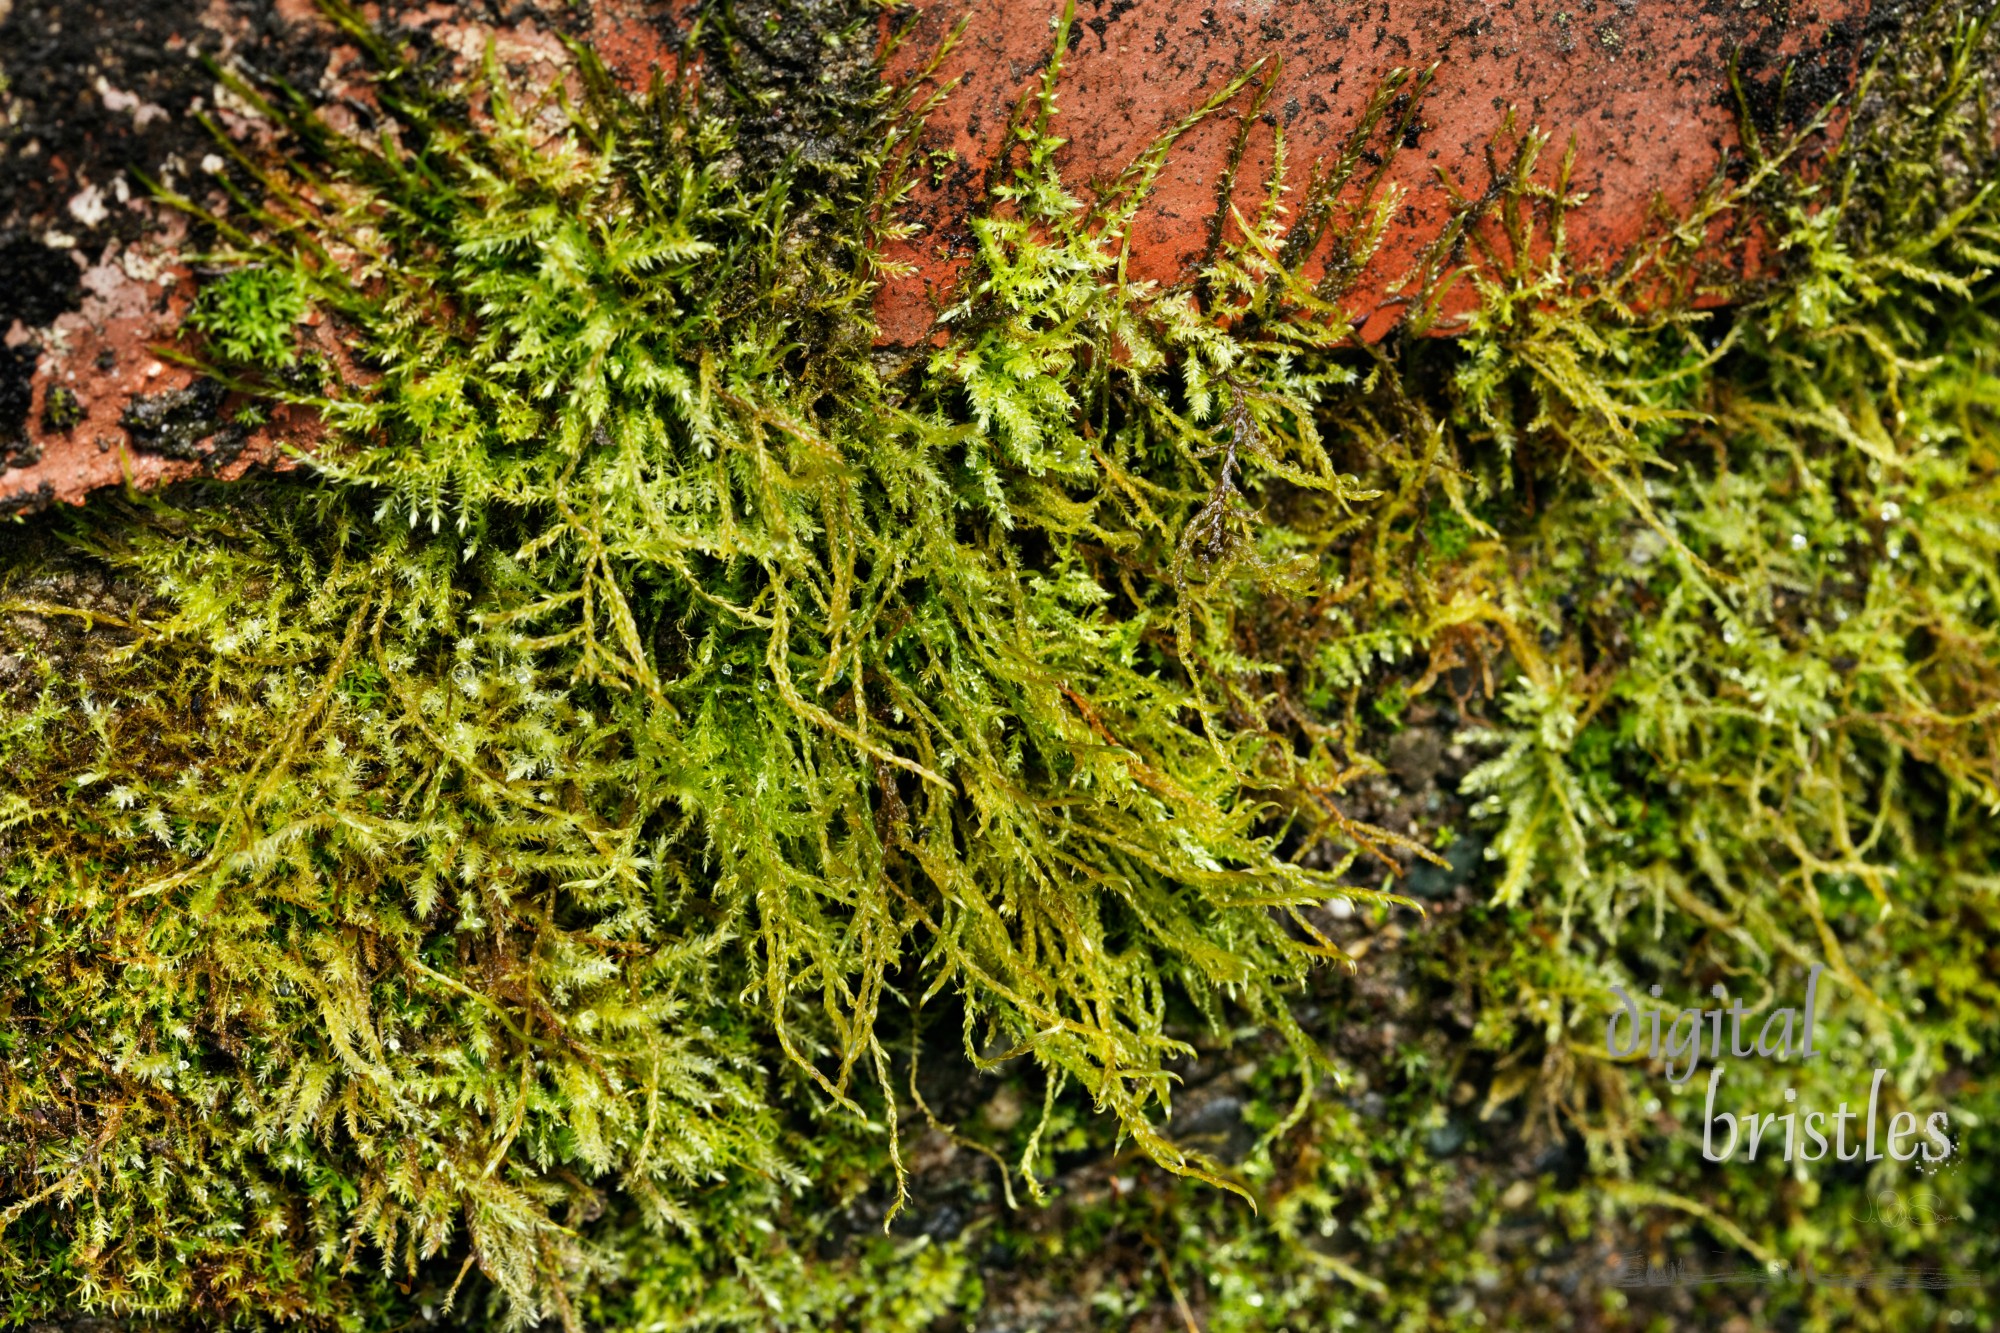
(61, 409)
(631, 659)
(522, 847)
(248, 315)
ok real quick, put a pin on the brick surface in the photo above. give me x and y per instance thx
(1641, 86)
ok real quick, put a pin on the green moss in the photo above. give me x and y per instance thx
(518, 866)
(248, 315)
(61, 410)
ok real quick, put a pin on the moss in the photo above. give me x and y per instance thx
(61, 410)
(517, 867)
(248, 315)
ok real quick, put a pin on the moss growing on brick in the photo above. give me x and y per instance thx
(517, 867)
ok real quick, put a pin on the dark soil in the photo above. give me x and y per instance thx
(17, 372)
(98, 90)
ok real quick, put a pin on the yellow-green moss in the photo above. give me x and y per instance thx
(523, 853)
